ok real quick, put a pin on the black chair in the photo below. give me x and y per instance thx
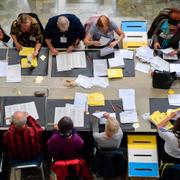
(170, 172)
(110, 163)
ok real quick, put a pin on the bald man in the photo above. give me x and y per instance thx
(22, 140)
(63, 31)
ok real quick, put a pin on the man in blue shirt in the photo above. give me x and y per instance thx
(63, 31)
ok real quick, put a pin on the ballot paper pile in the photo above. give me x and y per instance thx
(129, 115)
(89, 82)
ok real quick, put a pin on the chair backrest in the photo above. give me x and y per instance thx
(111, 163)
(170, 171)
(71, 169)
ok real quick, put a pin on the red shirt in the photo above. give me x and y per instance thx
(23, 143)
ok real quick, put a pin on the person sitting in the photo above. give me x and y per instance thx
(65, 143)
(23, 137)
(103, 27)
(26, 32)
(171, 151)
(167, 33)
(4, 38)
(111, 137)
(63, 31)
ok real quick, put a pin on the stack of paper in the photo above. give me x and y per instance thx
(106, 51)
(167, 50)
(68, 61)
(158, 117)
(29, 107)
(117, 61)
(169, 57)
(13, 73)
(104, 41)
(159, 64)
(100, 116)
(75, 113)
(142, 67)
(3, 68)
(145, 54)
(175, 68)
(81, 101)
(100, 67)
(128, 117)
(88, 82)
(124, 53)
(96, 99)
(174, 99)
(115, 73)
(128, 99)
(26, 51)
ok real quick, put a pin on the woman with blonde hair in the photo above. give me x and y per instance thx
(26, 32)
(111, 137)
(103, 27)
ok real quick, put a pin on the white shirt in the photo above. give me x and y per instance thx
(171, 143)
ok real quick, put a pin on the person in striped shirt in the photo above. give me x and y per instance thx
(23, 137)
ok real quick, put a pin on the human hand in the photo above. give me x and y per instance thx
(106, 115)
(96, 43)
(18, 46)
(113, 44)
(54, 51)
(157, 45)
(172, 53)
(173, 114)
(70, 49)
(35, 53)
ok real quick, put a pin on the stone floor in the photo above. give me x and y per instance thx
(147, 9)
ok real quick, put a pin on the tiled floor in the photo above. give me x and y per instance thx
(147, 9)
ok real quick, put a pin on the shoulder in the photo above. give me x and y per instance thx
(53, 20)
(15, 24)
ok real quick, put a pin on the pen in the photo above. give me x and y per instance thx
(113, 108)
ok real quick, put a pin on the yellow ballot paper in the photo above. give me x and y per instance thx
(96, 99)
(158, 117)
(26, 51)
(25, 63)
(115, 73)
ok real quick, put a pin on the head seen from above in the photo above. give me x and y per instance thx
(111, 127)
(19, 119)
(103, 23)
(63, 23)
(25, 22)
(65, 126)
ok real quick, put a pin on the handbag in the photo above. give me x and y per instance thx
(163, 79)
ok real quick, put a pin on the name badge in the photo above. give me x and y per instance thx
(32, 38)
(63, 39)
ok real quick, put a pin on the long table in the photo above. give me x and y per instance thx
(55, 88)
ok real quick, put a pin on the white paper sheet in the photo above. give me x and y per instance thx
(76, 114)
(142, 67)
(80, 100)
(13, 73)
(116, 62)
(128, 99)
(3, 68)
(106, 51)
(29, 107)
(159, 64)
(100, 67)
(125, 53)
(83, 81)
(145, 54)
(103, 120)
(104, 41)
(167, 50)
(102, 82)
(128, 117)
(68, 61)
(168, 57)
(175, 68)
(174, 99)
